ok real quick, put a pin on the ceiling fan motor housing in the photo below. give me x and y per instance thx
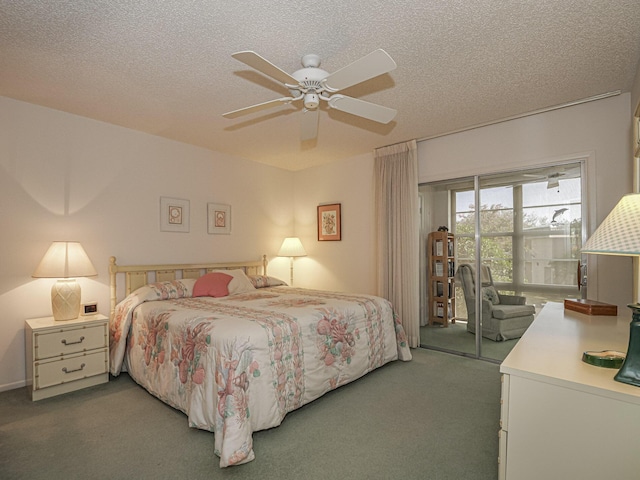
(310, 83)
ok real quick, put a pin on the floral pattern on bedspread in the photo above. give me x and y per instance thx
(369, 305)
(235, 367)
(188, 351)
(240, 363)
(283, 334)
(336, 340)
(119, 324)
(152, 339)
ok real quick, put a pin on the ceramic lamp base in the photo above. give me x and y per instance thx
(630, 370)
(65, 299)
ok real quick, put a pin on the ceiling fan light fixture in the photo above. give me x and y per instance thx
(311, 100)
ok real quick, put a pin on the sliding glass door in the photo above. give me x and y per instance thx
(523, 230)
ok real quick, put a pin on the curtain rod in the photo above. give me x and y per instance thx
(527, 114)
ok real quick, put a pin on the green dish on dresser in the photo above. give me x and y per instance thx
(605, 358)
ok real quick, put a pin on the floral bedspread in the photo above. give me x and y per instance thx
(238, 364)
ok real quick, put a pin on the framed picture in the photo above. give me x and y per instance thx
(329, 222)
(174, 215)
(218, 218)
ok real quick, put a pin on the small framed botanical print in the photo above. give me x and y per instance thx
(174, 215)
(329, 222)
(218, 218)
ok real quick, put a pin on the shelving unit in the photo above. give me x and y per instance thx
(440, 282)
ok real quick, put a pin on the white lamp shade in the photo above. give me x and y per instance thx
(292, 247)
(619, 233)
(65, 260)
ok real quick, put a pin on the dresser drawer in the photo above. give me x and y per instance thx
(53, 343)
(504, 402)
(68, 369)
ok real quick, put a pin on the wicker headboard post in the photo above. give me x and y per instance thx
(137, 276)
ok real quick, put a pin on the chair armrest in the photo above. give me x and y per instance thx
(487, 308)
(512, 299)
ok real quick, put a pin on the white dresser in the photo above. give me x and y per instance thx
(562, 418)
(63, 356)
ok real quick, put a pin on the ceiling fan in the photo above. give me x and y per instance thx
(554, 176)
(311, 85)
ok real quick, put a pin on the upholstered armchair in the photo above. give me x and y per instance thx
(503, 316)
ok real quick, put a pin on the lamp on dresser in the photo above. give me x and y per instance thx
(619, 234)
(292, 247)
(65, 261)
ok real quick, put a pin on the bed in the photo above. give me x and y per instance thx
(236, 358)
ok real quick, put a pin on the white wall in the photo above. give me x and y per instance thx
(346, 265)
(64, 177)
(599, 131)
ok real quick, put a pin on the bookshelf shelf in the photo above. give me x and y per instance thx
(440, 282)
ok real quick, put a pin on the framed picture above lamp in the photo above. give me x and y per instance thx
(329, 222)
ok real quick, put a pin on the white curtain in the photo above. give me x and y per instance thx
(397, 225)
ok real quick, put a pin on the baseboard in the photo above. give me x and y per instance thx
(12, 386)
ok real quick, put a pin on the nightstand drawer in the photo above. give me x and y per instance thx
(54, 343)
(56, 372)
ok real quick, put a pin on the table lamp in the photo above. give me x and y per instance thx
(292, 247)
(65, 261)
(619, 234)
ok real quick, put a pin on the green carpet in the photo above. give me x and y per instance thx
(435, 417)
(455, 338)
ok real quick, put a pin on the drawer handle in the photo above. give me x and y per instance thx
(64, 369)
(64, 341)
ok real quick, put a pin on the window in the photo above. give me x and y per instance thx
(530, 229)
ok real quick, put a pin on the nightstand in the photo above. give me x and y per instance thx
(63, 356)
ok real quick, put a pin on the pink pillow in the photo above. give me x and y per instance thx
(212, 285)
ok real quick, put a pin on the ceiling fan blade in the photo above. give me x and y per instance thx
(309, 124)
(265, 66)
(354, 106)
(257, 107)
(376, 63)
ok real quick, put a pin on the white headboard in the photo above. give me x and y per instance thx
(137, 276)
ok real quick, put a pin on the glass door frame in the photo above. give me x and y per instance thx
(582, 161)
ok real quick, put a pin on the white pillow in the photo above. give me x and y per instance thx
(165, 290)
(240, 282)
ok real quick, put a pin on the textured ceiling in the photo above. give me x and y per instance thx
(165, 67)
